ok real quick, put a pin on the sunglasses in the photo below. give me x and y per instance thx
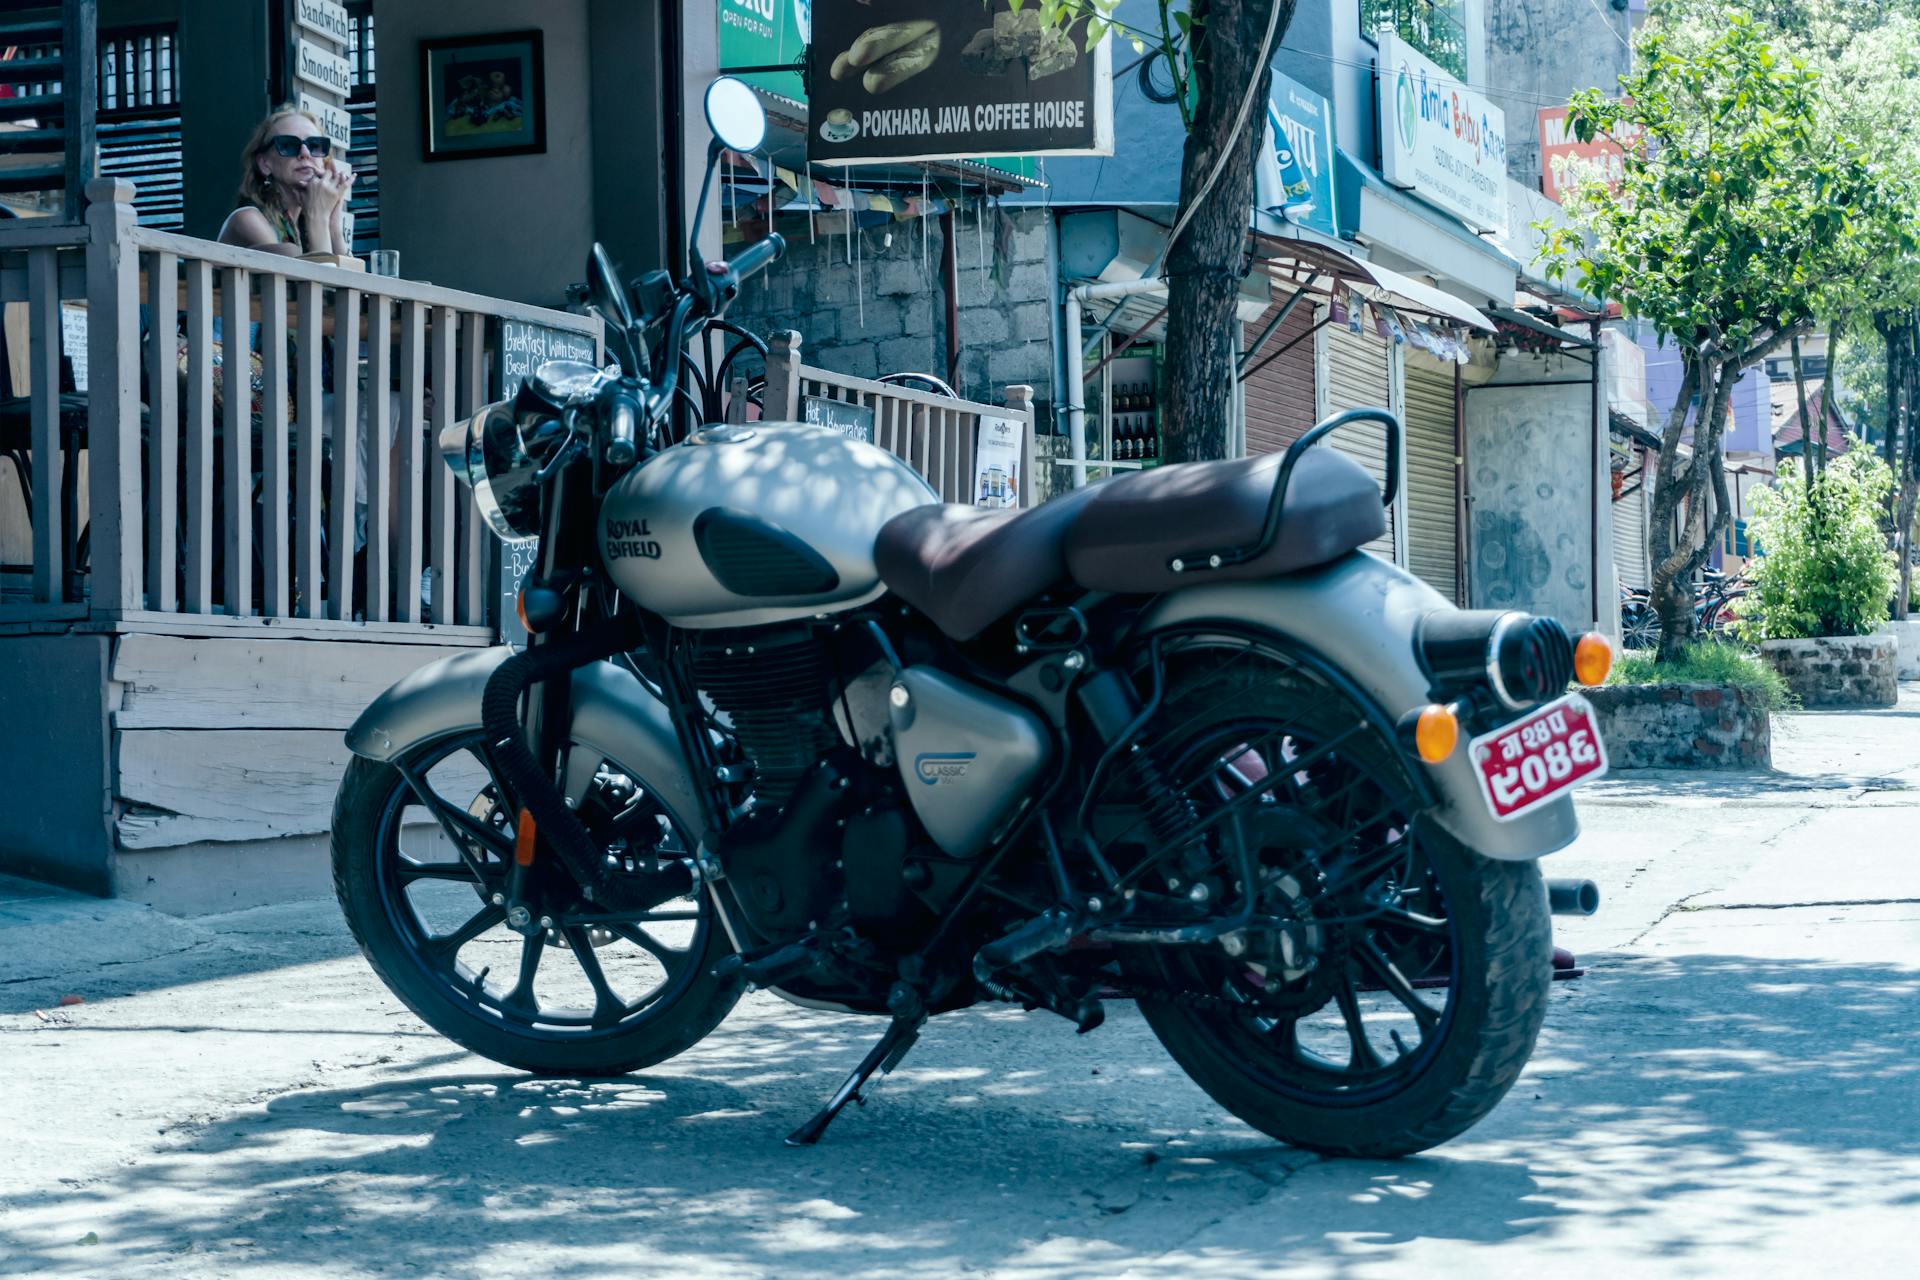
(319, 147)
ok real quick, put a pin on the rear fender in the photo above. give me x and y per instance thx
(1359, 615)
(613, 714)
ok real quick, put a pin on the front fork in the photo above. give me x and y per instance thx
(566, 546)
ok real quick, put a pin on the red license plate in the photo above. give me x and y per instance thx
(1523, 765)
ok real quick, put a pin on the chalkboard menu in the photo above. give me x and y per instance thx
(855, 421)
(523, 349)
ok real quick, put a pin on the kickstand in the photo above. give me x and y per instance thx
(883, 1057)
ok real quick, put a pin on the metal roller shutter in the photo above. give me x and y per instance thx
(1357, 378)
(1433, 518)
(1279, 394)
(1630, 535)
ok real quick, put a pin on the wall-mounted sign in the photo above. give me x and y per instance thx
(323, 17)
(1565, 161)
(767, 33)
(996, 463)
(854, 421)
(321, 66)
(933, 80)
(1293, 178)
(332, 119)
(1440, 139)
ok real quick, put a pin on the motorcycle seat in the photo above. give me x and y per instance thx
(1127, 537)
(965, 567)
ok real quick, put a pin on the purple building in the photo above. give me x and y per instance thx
(1750, 431)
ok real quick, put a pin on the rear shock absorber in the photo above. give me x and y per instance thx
(1114, 709)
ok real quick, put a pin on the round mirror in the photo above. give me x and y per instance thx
(603, 283)
(735, 115)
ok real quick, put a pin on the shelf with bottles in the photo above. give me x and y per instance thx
(1133, 408)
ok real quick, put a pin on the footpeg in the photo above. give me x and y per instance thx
(773, 969)
(1045, 932)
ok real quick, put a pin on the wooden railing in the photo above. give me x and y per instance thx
(182, 484)
(936, 435)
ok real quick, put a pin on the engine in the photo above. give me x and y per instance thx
(774, 689)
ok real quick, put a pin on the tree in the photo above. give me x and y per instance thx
(1724, 219)
(1221, 81)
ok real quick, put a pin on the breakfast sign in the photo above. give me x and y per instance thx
(933, 80)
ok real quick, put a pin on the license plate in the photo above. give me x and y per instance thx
(1523, 765)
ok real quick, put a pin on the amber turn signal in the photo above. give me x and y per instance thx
(1592, 658)
(523, 840)
(1436, 733)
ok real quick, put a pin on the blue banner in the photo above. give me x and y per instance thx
(1293, 182)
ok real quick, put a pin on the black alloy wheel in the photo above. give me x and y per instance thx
(1392, 985)
(422, 854)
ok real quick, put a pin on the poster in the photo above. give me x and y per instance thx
(935, 80)
(996, 463)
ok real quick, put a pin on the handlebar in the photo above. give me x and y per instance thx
(758, 256)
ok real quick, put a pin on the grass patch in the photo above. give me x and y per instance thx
(1708, 662)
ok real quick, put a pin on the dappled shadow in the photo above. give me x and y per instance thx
(1730, 786)
(1660, 1081)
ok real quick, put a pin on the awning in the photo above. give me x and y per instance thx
(1323, 268)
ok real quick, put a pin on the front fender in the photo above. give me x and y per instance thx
(613, 713)
(1359, 615)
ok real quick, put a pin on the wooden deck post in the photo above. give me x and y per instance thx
(783, 377)
(113, 397)
(1019, 398)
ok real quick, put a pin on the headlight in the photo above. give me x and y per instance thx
(1522, 659)
(498, 453)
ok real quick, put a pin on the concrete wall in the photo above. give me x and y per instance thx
(889, 315)
(517, 226)
(58, 822)
(1531, 488)
(1538, 53)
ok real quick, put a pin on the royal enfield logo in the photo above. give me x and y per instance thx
(935, 768)
(627, 539)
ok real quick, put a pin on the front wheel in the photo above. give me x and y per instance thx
(1392, 990)
(422, 853)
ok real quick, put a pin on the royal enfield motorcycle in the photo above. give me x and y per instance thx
(785, 721)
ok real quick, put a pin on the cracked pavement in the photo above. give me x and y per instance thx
(1733, 1088)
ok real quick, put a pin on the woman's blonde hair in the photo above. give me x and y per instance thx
(256, 188)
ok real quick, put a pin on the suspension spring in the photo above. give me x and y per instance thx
(1173, 817)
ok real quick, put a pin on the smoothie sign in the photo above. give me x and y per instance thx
(933, 80)
(1441, 140)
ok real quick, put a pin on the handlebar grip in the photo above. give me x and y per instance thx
(759, 255)
(621, 446)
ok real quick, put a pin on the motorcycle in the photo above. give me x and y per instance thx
(785, 721)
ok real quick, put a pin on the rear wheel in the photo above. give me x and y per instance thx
(573, 990)
(1392, 989)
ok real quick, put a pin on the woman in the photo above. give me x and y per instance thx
(292, 190)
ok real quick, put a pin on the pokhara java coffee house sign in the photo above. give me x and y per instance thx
(1439, 139)
(951, 79)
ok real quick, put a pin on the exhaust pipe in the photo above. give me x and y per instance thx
(1572, 897)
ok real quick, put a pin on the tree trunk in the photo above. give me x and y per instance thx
(1806, 421)
(1830, 393)
(1205, 266)
(1903, 396)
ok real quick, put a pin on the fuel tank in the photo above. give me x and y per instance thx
(745, 525)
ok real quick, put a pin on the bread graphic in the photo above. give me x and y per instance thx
(876, 43)
(904, 63)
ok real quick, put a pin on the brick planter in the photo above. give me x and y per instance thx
(1838, 671)
(1683, 726)
(1908, 635)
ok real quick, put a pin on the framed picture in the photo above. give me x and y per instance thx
(485, 96)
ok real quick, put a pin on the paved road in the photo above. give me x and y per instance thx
(1734, 1088)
